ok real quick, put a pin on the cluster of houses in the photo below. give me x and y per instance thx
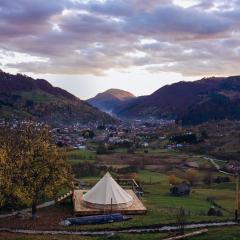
(70, 136)
(77, 136)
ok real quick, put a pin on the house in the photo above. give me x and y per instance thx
(192, 164)
(145, 144)
(182, 189)
(79, 146)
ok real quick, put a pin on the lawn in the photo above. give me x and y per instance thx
(149, 177)
(79, 156)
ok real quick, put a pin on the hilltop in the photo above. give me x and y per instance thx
(111, 99)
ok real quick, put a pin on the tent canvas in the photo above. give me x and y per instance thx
(107, 192)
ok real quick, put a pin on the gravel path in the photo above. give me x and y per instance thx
(166, 228)
(43, 205)
(212, 160)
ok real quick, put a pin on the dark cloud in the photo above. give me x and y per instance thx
(92, 37)
(173, 19)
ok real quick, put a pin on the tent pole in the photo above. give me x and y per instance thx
(111, 205)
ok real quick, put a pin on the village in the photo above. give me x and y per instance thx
(78, 136)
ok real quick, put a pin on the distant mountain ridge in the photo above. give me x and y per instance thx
(111, 99)
(189, 102)
(22, 97)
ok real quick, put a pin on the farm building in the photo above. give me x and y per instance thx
(182, 189)
(107, 196)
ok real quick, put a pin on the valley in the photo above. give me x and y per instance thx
(119, 119)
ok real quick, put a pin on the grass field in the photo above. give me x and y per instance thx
(79, 156)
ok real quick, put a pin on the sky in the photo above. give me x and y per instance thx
(89, 46)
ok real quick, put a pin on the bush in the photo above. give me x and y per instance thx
(221, 179)
(212, 212)
(192, 176)
(185, 138)
(131, 150)
(208, 179)
(88, 169)
(102, 149)
(172, 179)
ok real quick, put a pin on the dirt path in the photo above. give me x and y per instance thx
(166, 228)
(212, 161)
(43, 205)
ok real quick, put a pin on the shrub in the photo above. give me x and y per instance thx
(172, 179)
(192, 176)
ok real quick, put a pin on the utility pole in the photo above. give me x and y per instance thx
(236, 167)
(237, 197)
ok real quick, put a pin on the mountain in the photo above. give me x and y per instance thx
(110, 100)
(22, 97)
(189, 102)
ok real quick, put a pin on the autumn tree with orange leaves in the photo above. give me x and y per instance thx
(32, 168)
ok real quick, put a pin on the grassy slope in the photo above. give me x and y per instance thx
(78, 156)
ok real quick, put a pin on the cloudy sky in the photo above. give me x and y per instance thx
(87, 46)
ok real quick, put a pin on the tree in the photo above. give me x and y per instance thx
(208, 178)
(181, 220)
(32, 167)
(172, 179)
(192, 176)
(131, 150)
(102, 148)
(88, 133)
(204, 134)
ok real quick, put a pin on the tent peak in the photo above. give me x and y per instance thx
(107, 174)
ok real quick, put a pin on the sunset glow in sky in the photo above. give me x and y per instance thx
(88, 46)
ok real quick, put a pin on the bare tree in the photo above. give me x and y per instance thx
(181, 219)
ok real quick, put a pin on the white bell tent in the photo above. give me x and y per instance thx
(107, 194)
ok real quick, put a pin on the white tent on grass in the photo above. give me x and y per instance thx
(107, 194)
